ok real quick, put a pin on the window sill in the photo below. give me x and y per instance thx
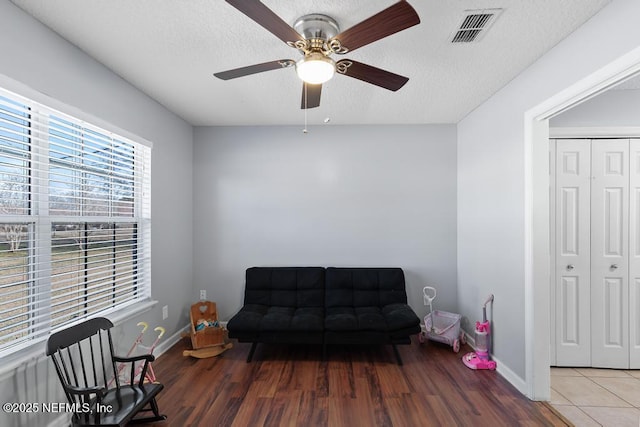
(34, 354)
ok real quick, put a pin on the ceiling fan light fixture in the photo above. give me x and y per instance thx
(315, 68)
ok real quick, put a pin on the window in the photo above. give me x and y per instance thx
(74, 221)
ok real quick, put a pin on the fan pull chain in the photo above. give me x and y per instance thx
(306, 100)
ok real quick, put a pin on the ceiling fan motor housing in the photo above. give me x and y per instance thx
(317, 26)
(316, 67)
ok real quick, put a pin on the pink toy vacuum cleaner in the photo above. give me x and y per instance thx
(481, 359)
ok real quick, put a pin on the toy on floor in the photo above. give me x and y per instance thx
(203, 323)
(481, 358)
(203, 353)
(150, 375)
(441, 326)
(208, 339)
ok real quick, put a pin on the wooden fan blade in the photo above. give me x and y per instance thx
(310, 95)
(370, 74)
(267, 18)
(253, 69)
(393, 19)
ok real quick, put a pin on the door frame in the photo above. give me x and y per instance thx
(537, 250)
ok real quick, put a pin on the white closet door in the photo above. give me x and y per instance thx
(634, 256)
(572, 272)
(609, 253)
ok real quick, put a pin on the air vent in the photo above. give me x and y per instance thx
(474, 25)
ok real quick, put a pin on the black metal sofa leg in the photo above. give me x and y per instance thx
(398, 358)
(251, 351)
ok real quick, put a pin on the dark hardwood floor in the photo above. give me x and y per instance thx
(356, 386)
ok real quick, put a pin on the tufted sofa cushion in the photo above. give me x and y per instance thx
(367, 299)
(262, 318)
(285, 286)
(280, 299)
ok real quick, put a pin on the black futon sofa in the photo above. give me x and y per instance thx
(317, 305)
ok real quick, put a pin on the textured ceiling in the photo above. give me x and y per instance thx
(170, 49)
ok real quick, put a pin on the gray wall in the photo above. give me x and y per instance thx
(337, 196)
(491, 174)
(614, 108)
(38, 58)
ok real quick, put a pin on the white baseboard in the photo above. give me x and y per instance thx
(512, 377)
(167, 343)
(502, 369)
(470, 340)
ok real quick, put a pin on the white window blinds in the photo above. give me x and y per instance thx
(74, 221)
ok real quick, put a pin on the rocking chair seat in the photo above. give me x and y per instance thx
(120, 405)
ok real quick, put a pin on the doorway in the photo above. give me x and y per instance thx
(537, 227)
(595, 256)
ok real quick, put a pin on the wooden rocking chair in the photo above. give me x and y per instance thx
(85, 363)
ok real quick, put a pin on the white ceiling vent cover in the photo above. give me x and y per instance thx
(474, 25)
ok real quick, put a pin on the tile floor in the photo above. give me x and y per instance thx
(597, 397)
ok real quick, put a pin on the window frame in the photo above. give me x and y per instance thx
(40, 223)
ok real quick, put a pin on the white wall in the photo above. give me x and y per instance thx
(614, 108)
(337, 196)
(36, 57)
(491, 173)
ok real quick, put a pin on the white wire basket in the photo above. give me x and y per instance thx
(441, 326)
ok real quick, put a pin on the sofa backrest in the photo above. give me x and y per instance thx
(285, 286)
(364, 287)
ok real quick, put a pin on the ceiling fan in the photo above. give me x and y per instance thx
(317, 37)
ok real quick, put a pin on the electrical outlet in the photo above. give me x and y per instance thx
(165, 312)
(203, 294)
